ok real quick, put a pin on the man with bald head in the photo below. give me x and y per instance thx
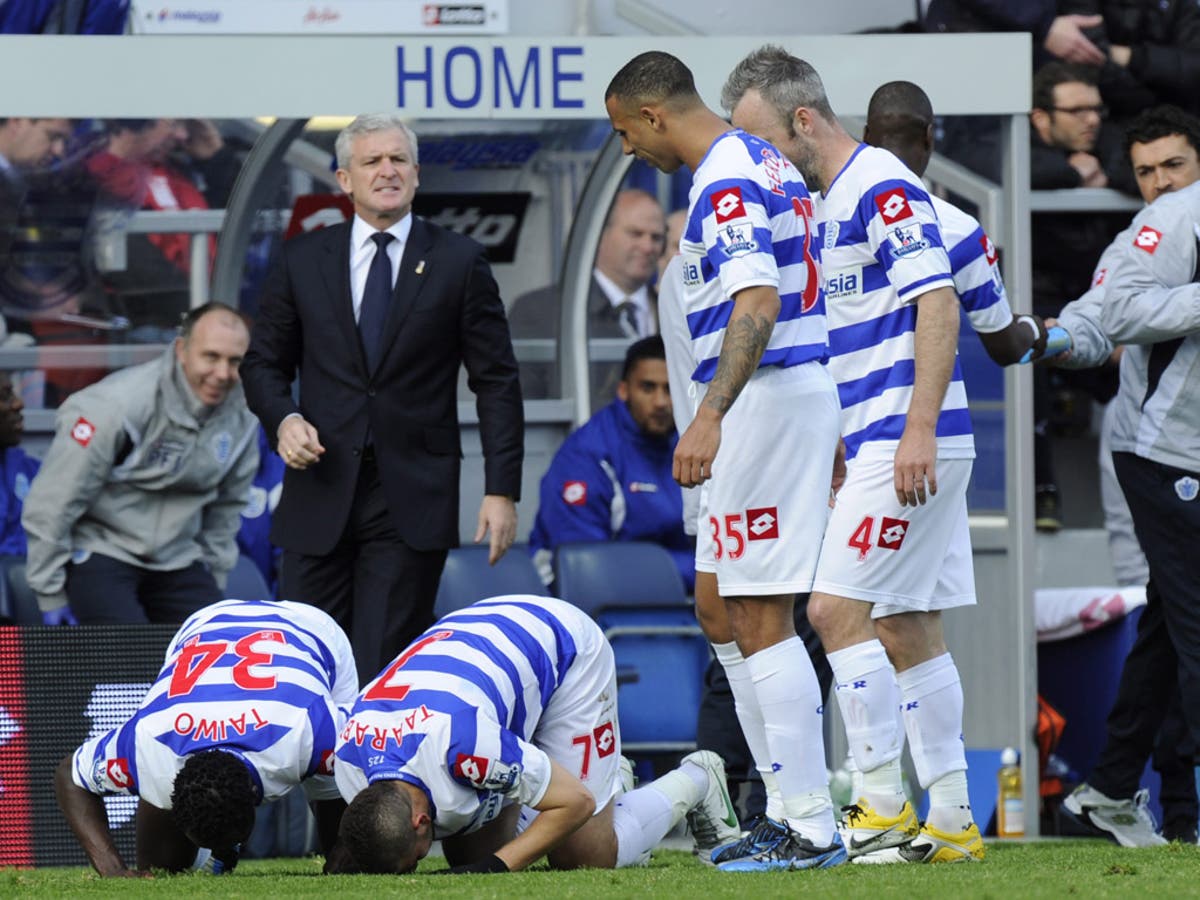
(621, 303)
(900, 119)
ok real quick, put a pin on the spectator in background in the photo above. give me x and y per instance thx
(621, 302)
(676, 222)
(611, 479)
(1071, 146)
(133, 515)
(17, 469)
(380, 314)
(1152, 52)
(26, 145)
(1054, 36)
(254, 535)
(159, 165)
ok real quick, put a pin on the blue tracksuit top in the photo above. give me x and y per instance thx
(611, 481)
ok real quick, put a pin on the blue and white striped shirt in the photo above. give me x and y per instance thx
(882, 248)
(270, 682)
(750, 223)
(456, 712)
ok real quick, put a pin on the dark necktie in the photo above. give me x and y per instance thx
(627, 316)
(376, 298)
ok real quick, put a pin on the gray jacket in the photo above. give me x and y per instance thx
(139, 473)
(1153, 307)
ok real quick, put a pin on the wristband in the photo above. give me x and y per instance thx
(484, 866)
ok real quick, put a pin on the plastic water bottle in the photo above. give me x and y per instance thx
(1010, 799)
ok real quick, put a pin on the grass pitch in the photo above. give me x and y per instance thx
(1088, 869)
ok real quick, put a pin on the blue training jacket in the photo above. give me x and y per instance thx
(611, 481)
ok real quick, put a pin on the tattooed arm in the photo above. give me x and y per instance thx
(746, 336)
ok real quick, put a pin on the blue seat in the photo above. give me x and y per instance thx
(635, 594)
(246, 581)
(468, 578)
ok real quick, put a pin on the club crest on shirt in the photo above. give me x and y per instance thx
(82, 431)
(21, 486)
(736, 239)
(1186, 488)
(222, 446)
(907, 240)
(256, 503)
(574, 493)
(832, 230)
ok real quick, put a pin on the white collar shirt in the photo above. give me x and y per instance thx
(362, 251)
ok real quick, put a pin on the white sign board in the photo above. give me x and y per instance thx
(469, 77)
(328, 17)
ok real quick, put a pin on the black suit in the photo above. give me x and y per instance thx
(445, 311)
(536, 315)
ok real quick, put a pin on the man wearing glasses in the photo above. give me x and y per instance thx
(1071, 146)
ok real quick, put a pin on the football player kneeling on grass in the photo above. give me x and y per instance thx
(496, 732)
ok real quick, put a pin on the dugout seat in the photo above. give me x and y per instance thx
(246, 581)
(634, 592)
(468, 578)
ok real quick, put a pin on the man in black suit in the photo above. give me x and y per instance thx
(620, 304)
(377, 315)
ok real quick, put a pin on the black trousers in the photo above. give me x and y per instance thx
(1165, 658)
(717, 726)
(380, 590)
(106, 591)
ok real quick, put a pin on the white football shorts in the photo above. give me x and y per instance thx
(899, 558)
(579, 728)
(763, 512)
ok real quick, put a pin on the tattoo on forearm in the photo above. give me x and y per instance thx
(746, 339)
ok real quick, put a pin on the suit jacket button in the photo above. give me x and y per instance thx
(370, 392)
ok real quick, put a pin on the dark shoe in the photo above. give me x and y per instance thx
(1047, 509)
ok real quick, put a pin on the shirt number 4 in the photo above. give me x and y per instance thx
(890, 535)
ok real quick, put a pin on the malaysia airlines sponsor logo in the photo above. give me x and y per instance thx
(762, 524)
(1148, 239)
(846, 283)
(893, 205)
(728, 205)
(574, 493)
(892, 532)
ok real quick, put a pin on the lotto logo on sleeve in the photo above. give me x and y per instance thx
(606, 739)
(118, 772)
(82, 431)
(893, 205)
(989, 249)
(325, 766)
(892, 532)
(471, 768)
(728, 205)
(1148, 239)
(1098, 278)
(574, 493)
(762, 524)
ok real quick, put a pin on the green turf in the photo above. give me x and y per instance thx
(1077, 868)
